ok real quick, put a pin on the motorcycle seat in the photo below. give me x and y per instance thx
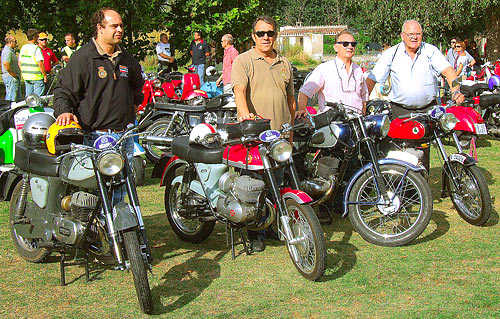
(474, 90)
(180, 107)
(196, 153)
(36, 161)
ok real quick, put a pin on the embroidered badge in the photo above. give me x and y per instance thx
(283, 74)
(101, 72)
(123, 70)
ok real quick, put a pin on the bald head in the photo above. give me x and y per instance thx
(411, 24)
(10, 41)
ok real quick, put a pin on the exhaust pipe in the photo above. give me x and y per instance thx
(158, 140)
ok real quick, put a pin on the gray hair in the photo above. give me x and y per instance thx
(228, 38)
(9, 39)
(406, 21)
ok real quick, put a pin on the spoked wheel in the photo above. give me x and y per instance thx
(138, 268)
(185, 224)
(307, 249)
(472, 199)
(27, 248)
(139, 167)
(160, 128)
(400, 222)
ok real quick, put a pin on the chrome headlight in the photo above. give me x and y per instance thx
(281, 150)
(32, 100)
(384, 126)
(448, 121)
(157, 83)
(110, 163)
(378, 125)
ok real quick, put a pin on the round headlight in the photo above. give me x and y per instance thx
(110, 163)
(448, 121)
(32, 100)
(384, 126)
(157, 83)
(281, 150)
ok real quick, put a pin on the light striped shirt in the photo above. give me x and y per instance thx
(414, 82)
(333, 83)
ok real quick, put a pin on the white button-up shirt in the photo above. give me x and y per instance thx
(414, 82)
(333, 83)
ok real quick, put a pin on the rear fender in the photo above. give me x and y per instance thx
(369, 166)
(466, 123)
(8, 181)
(167, 166)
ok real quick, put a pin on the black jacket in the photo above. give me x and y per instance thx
(101, 95)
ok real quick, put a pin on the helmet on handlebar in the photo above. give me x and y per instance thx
(494, 82)
(58, 135)
(211, 70)
(206, 135)
(35, 130)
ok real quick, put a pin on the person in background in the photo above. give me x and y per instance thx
(166, 54)
(70, 48)
(460, 62)
(31, 63)
(49, 58)
(11, 73)
(199, 52)
(230, 53)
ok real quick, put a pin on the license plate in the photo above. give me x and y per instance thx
(481, 129)
(458, 158)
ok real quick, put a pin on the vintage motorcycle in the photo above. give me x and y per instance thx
(64, 203)
(462, 180)
(387, 200)
(233, 181)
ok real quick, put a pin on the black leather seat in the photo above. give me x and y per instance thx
(36, 161)
(196, 153)
(474, 90)
(180, 107)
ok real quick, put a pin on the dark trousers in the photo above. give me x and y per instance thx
(167, 66)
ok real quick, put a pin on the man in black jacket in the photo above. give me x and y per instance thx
(102, 83)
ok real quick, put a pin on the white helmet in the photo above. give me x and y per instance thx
(211, 70)
(206, 135)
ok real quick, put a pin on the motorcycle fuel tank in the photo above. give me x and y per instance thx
(77, 169)
(243, 157)
(402, 129)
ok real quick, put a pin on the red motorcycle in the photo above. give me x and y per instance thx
(151, 90)
(234, 182)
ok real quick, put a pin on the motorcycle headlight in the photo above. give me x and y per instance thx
(448, 121)
(281, 150)
(32, 100)
(384, 126)
(110, 163)
(378, 125)
(157, 83)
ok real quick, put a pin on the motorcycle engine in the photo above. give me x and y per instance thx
(325, 172)
(240, 202)
(82, 204)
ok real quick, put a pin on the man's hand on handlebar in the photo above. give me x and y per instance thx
(458, 97)
(66, 118)
(248, 116)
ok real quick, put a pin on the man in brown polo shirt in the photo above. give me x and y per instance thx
(262, 79)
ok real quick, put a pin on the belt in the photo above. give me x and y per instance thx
(414, 108)
(109, 131)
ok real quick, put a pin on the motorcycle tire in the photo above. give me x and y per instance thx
(139, 167)
(473, 200)
(158, 128)
(309, 254)
(188, 229)
(138, 269)
(386, 228)
(28, 249)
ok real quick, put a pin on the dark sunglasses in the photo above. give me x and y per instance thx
(42, 39)
(269, 33)
(458, 46)
(346, 43)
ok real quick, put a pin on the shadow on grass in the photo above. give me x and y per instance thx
(494, 219)
(442, 227)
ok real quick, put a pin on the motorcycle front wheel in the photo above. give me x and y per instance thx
(472, 199)
(27, 248)
(308, 251)
(398, 223)
(188, 228)
(138, 269)
(160, 129)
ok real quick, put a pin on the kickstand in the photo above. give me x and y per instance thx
(63, 264)
(233, 243)
(328, 220)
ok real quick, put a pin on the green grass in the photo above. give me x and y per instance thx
(451, 271)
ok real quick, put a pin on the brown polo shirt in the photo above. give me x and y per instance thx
(268, 85)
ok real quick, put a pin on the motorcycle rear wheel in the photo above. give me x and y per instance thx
(413, 213)
(139, 166)
(188, 229)
(159, 128)
(28, 249)
(139, 272)
(472, 200)
(309, 254)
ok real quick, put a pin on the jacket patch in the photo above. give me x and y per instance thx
(101, 72)
(123, 70)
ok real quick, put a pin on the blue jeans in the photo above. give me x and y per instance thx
(36, 87)
(12, 88)
(200, 70)
(128, 146)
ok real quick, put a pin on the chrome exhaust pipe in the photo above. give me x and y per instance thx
(158, 140)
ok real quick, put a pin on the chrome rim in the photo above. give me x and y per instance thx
(467, 197)
(304, 251)
(187, 225)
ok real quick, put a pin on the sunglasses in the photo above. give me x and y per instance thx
(458, 46)
(42, 39)
(269, 33)
(346, 43)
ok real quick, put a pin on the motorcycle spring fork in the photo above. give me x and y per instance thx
(21, 205)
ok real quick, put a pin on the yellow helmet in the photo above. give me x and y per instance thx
(63, 135)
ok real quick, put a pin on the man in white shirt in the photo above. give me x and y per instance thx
(166, 54)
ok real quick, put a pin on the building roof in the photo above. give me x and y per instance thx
(290, 31)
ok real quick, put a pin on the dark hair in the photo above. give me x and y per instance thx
(266, 19)
(31, 34)
(199, 33)
(71, 35)
(163, 35)
(346, 31)
(98, 18)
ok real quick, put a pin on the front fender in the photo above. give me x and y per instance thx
(295, 194)
(369, 166)
(124, 216)
(462, 158)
